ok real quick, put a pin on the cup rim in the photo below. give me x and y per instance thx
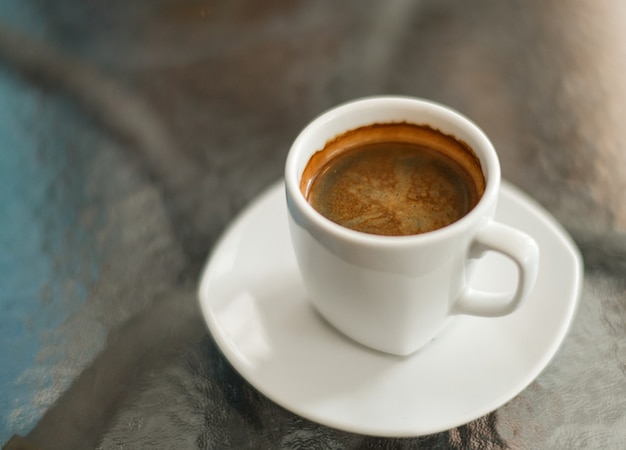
(487, 156)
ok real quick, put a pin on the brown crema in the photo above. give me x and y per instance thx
(393, 179)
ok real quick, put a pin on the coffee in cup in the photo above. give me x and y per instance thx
(393, 179)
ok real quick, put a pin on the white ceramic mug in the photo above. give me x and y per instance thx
(394, 293)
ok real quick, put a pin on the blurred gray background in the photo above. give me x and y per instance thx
(132, 132)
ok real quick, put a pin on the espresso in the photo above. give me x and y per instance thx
(394, 179)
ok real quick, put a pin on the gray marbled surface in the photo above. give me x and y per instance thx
(131, 133)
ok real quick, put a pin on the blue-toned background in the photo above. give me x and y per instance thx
(47, 259)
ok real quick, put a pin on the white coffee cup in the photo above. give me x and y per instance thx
(395, 293)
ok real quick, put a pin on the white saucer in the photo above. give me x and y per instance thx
(255, 307)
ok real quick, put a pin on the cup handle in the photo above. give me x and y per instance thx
(522, 250)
